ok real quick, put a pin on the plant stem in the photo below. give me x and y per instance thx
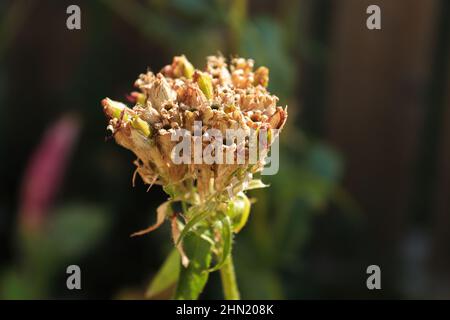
(229, 284)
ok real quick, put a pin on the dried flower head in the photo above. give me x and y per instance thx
(188, 103)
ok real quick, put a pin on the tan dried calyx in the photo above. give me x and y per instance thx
(221, 97)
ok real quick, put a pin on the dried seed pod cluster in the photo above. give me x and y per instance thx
(221, 97)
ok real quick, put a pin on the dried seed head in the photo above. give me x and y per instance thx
(219, 98)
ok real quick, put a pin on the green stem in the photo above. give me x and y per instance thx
(229, 284)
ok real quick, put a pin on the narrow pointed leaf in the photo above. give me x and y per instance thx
(166, 277)
(226, 242)
(192, 223)
(193, 279)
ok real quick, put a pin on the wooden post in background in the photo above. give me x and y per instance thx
(377, 87)
(440, 266)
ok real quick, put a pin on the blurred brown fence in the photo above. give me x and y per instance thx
(387, 110)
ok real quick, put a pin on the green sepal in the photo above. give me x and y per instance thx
(226, 241)
(239, 211)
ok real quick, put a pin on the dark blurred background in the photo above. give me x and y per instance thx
(365, 157)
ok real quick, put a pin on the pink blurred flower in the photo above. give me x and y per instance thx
(45, 171)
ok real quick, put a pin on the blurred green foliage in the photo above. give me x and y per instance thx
(281, 219)
(70, 232)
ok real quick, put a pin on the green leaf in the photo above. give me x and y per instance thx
(76, 228)
(193, 279)
(16, 287)
(239, 211)
(192, 223)
(226, 241)
(166, 277)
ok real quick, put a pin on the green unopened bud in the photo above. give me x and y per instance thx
(141, 125)
(261, 77)
(114, 109)
(238, 211)
(138, 98)
(204, 82)
(182, 67)
(141, 99)
(118, 110)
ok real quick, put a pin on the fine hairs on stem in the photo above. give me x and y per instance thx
(229, 283)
